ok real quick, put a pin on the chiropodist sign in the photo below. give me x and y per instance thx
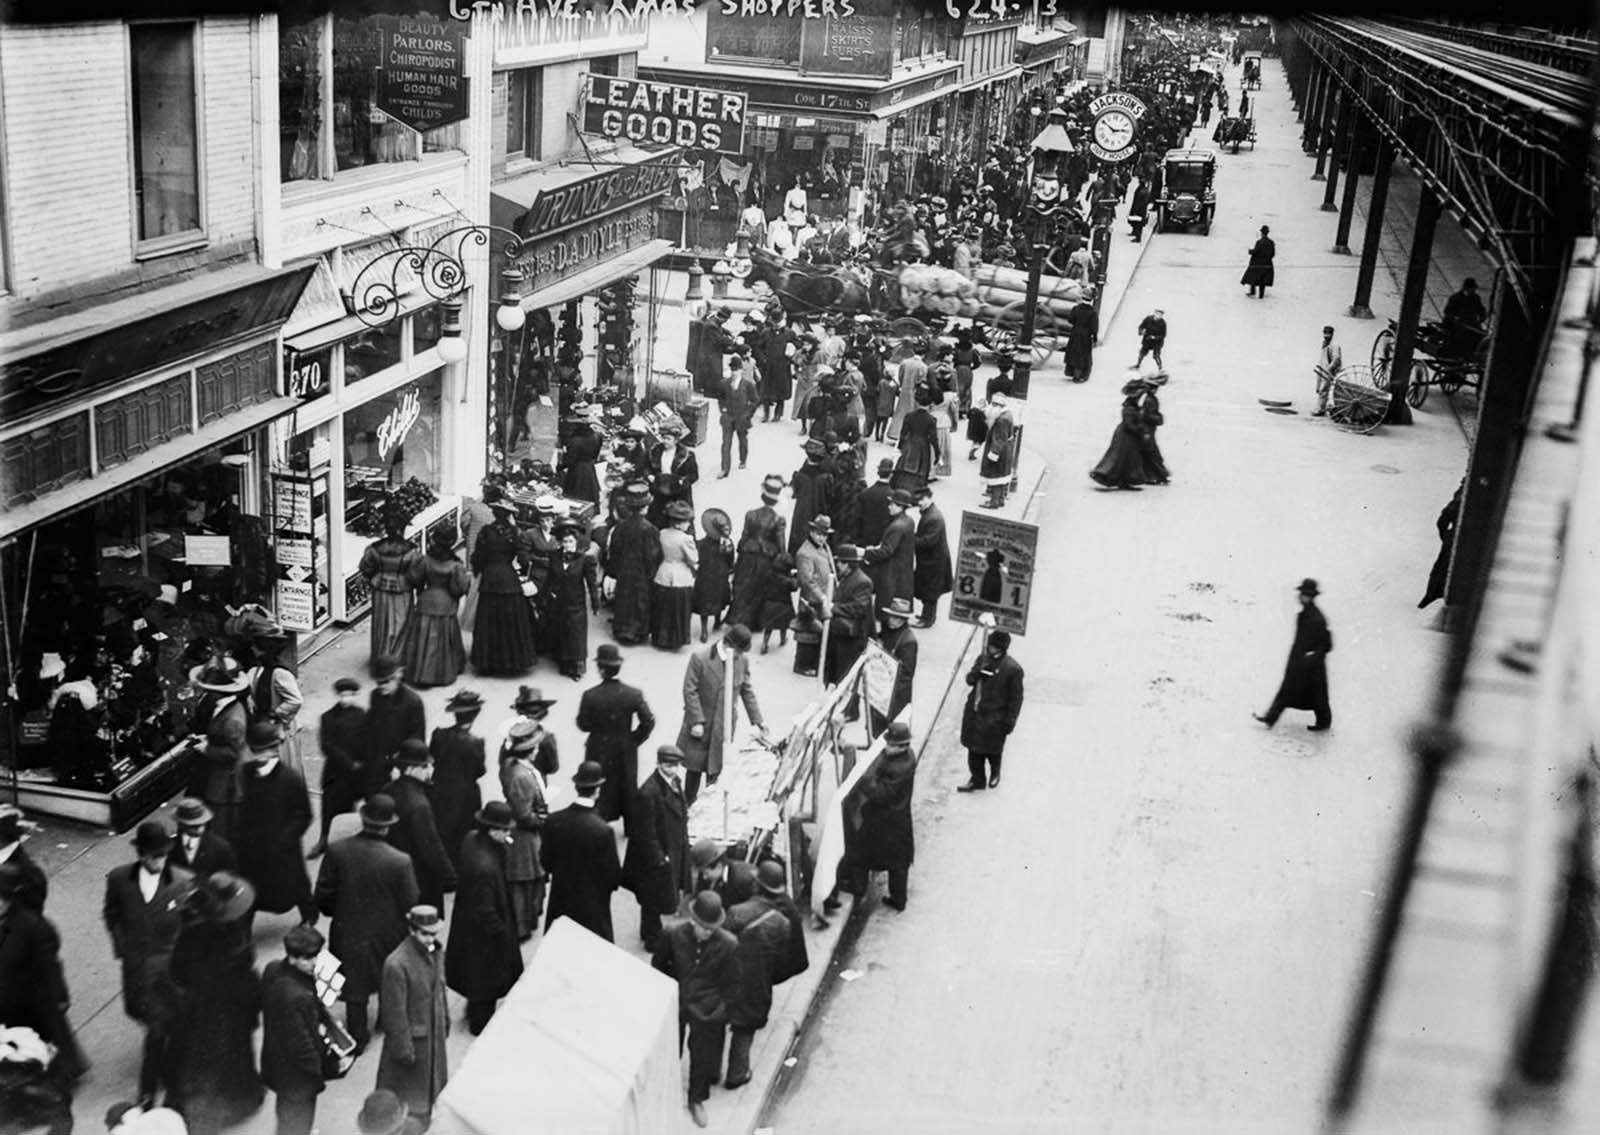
(695, 118)
(422, 72)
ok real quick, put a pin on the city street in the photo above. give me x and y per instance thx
(1153, 925)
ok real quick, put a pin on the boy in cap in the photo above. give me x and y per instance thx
(702, 958)
(291, 1031)
(656, 868)
(416, 1020)
(345, 741)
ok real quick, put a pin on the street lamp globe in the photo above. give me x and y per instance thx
(510, 317)
(453, 349)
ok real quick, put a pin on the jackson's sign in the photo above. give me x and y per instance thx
(608, 192)
(692, 117)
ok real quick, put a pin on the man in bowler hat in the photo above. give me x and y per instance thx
(198, 849)
(656, 867)
(415, 831)
(1305, 675)
(274, 812)
(483, 960)
(618, 720)
(702, 957)
(991, 711)
(579, 850)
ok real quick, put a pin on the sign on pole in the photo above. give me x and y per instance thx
(994, 571)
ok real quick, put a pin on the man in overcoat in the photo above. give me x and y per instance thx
(1305, 676)
(872, 508)
(394, 712)
(703, 958)
(853, 621)
(483, 960)
(198, 849)
(415, 1019)
(886, 841)
(366, 887)
(932, 578)
(274, 812)
(991, 710)
(763, 926)
(143, 914)
(701, 737)
(579, 851)
(900, 641)
(345, 740)
(618, 720)
(633, 552)
(812, 489)
(657, 867)
(739, 398)
(291, 1022)
(891, 563)
(459, 762)
(415, 830)
(1082, 337)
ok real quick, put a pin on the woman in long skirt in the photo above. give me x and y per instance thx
(431, 649)
(572, 590)
(1150, 417)
(1122, 467)
(384, 565)
(777, 603)
(919, 446)
(761, 541)
(502, 635)
(672, 596)
(713, 579)
(524, 789)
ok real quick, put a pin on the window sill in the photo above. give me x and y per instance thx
(169, 245)
(367, 177)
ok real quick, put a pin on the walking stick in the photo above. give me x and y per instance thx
(827, 624)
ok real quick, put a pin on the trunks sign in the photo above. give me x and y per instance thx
(615, 189)
(994, 571)
(692, 117)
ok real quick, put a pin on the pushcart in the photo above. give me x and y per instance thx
(1355, 402)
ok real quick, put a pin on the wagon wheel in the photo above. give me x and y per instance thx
(907, 328)
(1417, 388)
(1010, 316)
(1382, 354)
(1356, 408)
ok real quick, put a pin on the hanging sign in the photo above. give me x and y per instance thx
(994, 571)
(294, 587)
(422, 72)
(692, 117)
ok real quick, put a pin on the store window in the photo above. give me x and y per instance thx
(372, 351)
(392, 450)
(604, 65)
(330, 104)
(524, 101)
(427, 328)
(166, 138)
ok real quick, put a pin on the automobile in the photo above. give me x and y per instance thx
(1188, 196)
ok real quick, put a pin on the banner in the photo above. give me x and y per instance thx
(695, 118)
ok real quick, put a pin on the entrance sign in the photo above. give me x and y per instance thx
(422, 73)
(695, 118)
(994, 571)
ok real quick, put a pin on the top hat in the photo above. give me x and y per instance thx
(680, 511)
(589, 774)
(897, 736)
(886, 468)
(261, 736)
(346, 686)
(382, 1114)
(897, 608)
(496, 814)
(463, 700)
(226, 678)
(530, 697)
(1309, 587)
(225, 897)
(386, 666)
(669, 754)
(771, 877)
(822, 524)
(847, 554)
(902, 498)
(378, 810)
(706, 909)
(423, 916)
(705, 852)
(607, 654)
(412, 754)
(152, 838)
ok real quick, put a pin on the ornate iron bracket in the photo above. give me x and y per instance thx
(438, 267)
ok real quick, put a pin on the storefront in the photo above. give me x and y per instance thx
(372, 440)
(1042, 54)
(133, 525)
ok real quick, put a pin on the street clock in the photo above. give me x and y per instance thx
(1116, 124)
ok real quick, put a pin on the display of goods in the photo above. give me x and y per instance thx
(998, 287)
(931, 288)
(739, 796)
(399, 506)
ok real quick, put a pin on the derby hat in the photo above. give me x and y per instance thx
(669, 754)
(463, 700)
(590, 774)
(412, 754)
(192, 812)
(225, 678)
(897, 736)
(680, 510)
(847, 554)
(531, 697)
(378, 810)
(495, 814)
(706, 909)
(152, 838)
(822, 524)
(382, 1113)
(607, 654)
(1309, 587)
(386, 666)
(261, 736)
(771, 877)
(225, 897)
(737, 636)
(902, 498)
(886, 468)
(705, 852)
(897, 609)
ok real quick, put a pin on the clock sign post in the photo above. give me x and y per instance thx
(1116, 123)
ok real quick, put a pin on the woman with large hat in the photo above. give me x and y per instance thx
(918, 444)
(672, 592)
(713, 580)
(1122, 466)
(761, 541)
(431, 649)
(384, 565)
(578, 457)
(572, 589)
(633, 551)
(222, 719)
(459, 762)
(502, 636)
(671, 471)
(524, 790)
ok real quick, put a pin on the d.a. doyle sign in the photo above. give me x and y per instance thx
(609, 191)
(555, 258)
(692, 117)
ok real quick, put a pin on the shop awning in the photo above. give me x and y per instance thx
(897, 109)
(146, 465)
(998, 77)
(593, 279)
(1038, 46)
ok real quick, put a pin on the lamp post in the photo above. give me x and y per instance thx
(1049, 148)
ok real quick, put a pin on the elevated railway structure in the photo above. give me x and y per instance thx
(1470, 1008)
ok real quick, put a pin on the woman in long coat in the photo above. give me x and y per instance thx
(502, 636)
(1082, 336)
(671, 471)
(633, 551)
(459, 762)
(919, 446)
(578, 457)
(672, 592)
(220, 716)
(482, 961)
(1150, 417)
(1258, 276)
(384, 564)
(1305, 675)
(807, 358)
(777, 373)
(213, 964)
(572, 589)
(760, 543)
(524, 790)
(431, 649)
(999, 460)
(1122, 466)
(713, 580)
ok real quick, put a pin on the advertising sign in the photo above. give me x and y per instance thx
(295, 602)
(859, 44)
(555, 258)
(1116, 125)
(610, 191)
(994, 571)
(206, 551)
(294, 582)
(695, 118)
(739, 37)
(422, 73)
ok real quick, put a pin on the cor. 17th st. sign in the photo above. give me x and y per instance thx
(692, 117)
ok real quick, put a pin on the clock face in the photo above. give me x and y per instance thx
(1113, 130)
